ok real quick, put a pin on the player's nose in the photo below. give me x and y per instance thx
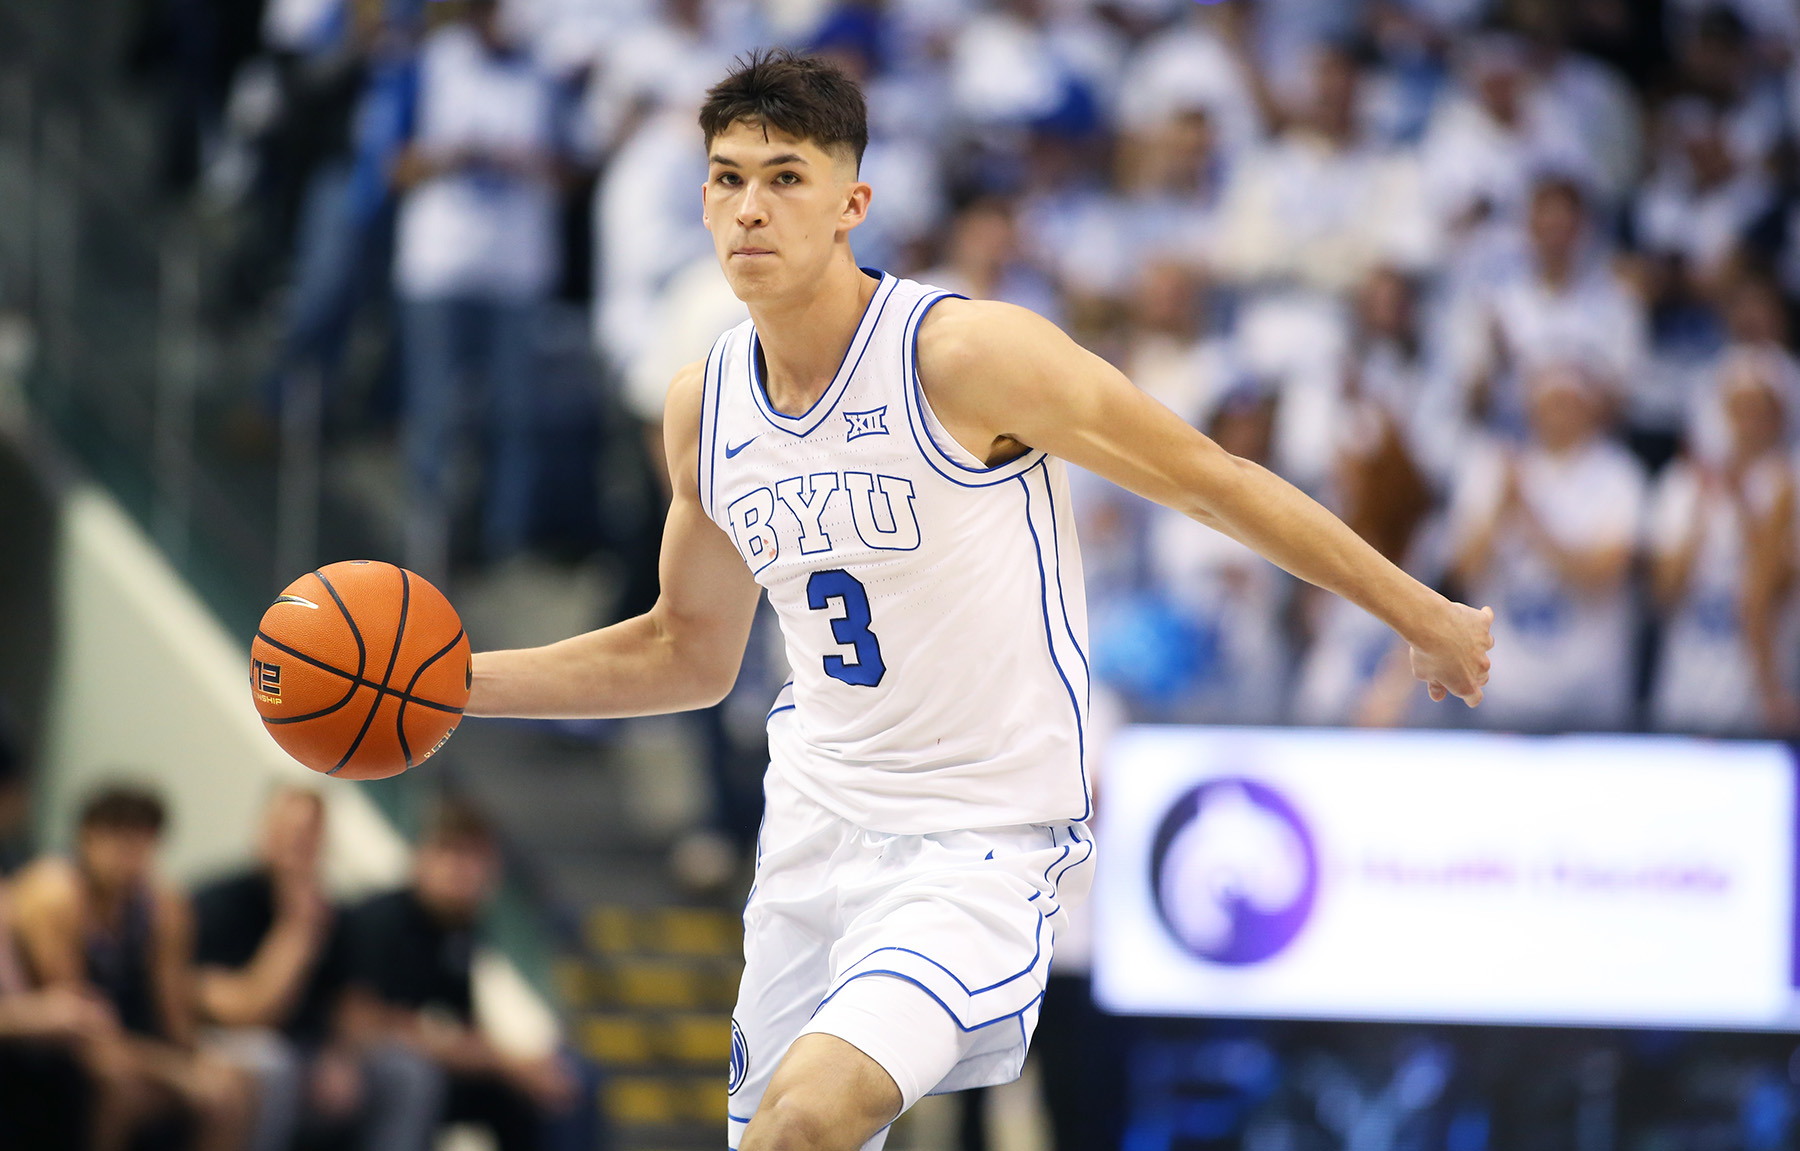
(751, 210)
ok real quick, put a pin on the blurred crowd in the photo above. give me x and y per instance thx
(255, 1014)
(1506, 283)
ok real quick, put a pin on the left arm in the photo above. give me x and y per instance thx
(172, 966)
(1000, 378)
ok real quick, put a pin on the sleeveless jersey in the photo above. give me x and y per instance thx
(932, 607)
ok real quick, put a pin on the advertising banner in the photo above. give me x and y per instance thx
(1447, 876)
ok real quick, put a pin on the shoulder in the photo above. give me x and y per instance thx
(958, 336)
(50, 886)
(682, 405)
(681, 423)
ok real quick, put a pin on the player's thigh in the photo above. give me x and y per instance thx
(790, 926)
(786, 972)
(825, 1096)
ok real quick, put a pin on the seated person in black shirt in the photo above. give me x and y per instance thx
(48, 1039)
(101, 926)
(410, 956)
(271, 969)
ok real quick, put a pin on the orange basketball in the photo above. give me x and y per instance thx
(360, 670)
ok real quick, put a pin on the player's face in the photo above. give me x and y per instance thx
(778, 208)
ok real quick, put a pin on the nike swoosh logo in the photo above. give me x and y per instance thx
(731, 452)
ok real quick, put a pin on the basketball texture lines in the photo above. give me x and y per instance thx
(360, 670)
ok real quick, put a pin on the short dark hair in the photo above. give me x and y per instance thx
(455, 822)
(806, 97)
(123, 807)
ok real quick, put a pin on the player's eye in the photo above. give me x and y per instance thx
(728, 179)
(787, 178)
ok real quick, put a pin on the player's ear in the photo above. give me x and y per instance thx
(705, 216)
(856, 205)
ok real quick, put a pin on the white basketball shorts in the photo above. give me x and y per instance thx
(928, 953)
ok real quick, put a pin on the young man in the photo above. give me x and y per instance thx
(272, 967)
(411, 1007)
(101, 925)
(48, 1042)
(885, 460)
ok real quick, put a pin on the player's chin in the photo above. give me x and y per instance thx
(755, 277)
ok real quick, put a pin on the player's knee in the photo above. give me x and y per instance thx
(802, 1120)
(789, 1122)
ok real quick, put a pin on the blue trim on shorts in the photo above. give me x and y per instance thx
(1038, 954)
(901, 975)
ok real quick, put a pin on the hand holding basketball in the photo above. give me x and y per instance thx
(360, 670)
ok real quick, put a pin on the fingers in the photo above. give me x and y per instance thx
(1436, 691)
(1473, 699)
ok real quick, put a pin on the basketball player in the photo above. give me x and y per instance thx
(885, 461)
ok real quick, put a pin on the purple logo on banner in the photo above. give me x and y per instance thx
(1234, 871)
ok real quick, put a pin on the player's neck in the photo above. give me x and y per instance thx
(804, 337)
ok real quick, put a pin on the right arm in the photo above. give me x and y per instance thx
(681, 654)
(47, 905)
(265, 990)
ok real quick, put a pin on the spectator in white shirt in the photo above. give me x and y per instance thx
(1701, 198)
(1584, 93)
(1721, 60)
(1545, 535)
(1721, 539)
(1323, 204)
(1562, 303)
(1019, 62)
(640, 110)
(1173, 178)
(1397, 370)
(1202, 61)
(476, 253)
(1756, 328)
(1487, 141)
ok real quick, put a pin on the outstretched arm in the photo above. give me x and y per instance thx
(1000, 377)
(683, 653)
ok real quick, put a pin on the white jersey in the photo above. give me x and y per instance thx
(932, 607)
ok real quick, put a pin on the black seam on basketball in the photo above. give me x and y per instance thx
(355, 680)
(362, 653)
(321, 713)
(393, 658)
(400, 719)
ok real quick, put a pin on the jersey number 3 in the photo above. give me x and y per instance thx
(851, 628)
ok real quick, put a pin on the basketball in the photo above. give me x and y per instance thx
(360, 670)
